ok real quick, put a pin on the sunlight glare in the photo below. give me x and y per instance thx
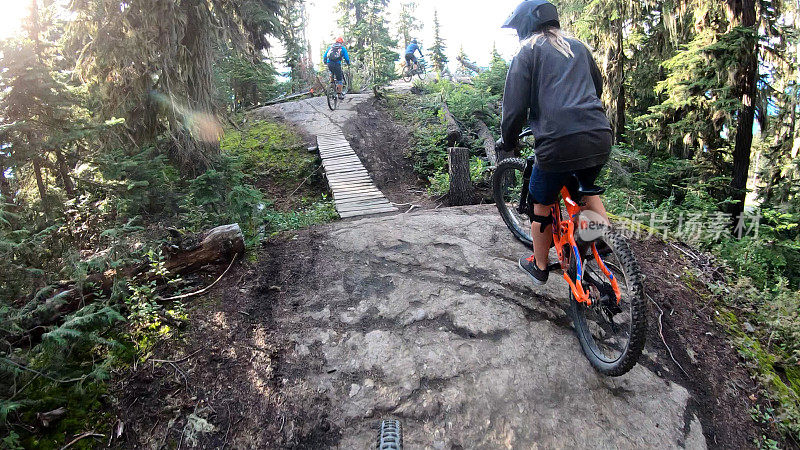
(13, 14)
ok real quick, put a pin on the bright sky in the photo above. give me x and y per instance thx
(12, 14)
(475, 24)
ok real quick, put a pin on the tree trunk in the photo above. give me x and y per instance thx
(453, 130)
(488, 142)
(37, 172)
(63, 172)
(743, 14)
(619, 79)
(461, 191)
(220, 244)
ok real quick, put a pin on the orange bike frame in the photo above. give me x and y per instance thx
(563, 236)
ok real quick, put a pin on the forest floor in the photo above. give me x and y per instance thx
(424, 316)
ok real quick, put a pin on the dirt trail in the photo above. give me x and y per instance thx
(424, 316)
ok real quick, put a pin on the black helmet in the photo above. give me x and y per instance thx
(531, 16)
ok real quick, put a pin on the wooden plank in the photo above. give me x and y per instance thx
(347, 175)
(358, 197)
(324, 143)
(360, 179)
(340, 181)
(350, 184)
(351, 180)
(343, 165)
(330, 148)
(362, 203)
(327, 153)
(347, 170)
(351, 158)
(356, 191)
(342, 158)
(344, 195)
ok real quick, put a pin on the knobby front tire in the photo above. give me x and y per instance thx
(612, 355)
(390, 436)
(506, 186)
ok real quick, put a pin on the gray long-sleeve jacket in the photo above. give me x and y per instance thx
(558, 97)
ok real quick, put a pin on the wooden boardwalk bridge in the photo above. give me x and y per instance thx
(354, 192)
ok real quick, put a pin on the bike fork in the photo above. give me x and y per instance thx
(526, 178)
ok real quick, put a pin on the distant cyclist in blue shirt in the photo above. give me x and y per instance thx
(410, 54)
(333, 58)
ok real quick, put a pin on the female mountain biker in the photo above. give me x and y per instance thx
(333, 58)
(411, 57)
(554, 85)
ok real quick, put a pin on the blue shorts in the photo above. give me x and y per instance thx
(336, 69)
(545, 186)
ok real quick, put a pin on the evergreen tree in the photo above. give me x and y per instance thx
(438, 51)
(293, 23)
(39, 118)
(408, 24)
(366, 27)
(175, 46)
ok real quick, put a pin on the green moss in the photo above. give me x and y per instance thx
(269, 149)
(763, 364)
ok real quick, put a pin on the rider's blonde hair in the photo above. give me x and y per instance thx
(557, 38)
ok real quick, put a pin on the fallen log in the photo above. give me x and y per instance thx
(488, 141)
(453, 129)
(469, 65)
(220, 244)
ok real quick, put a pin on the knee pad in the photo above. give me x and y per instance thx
(543, 221)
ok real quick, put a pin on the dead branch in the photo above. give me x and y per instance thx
(201, 291)
(82, 436)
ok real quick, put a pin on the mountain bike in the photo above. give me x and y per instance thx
(409, 71)
(605, 283)
(333, 98)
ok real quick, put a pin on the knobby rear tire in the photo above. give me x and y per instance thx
(509, 167)
(638, 333)
(333, 101)
(390, 436)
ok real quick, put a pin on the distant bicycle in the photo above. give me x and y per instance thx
(333, 98)
(409, 72)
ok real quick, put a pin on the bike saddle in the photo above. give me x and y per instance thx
(587, 190)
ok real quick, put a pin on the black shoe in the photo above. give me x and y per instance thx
(341, 96)
(538, 275)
